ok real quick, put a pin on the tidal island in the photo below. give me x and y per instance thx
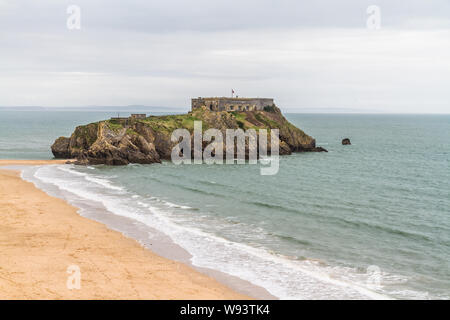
(146, 140)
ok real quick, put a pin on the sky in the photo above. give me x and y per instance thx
(307, 55)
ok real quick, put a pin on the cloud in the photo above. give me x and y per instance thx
(219, 15)
(316, 55)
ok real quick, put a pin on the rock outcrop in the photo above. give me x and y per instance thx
(60, 148)
(346, 142)
(145, 141)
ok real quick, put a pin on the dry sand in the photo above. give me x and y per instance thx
(41, 236)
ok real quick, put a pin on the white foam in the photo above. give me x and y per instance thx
(281, 276)
(284, 278)
(103, 183)
(173, 205)
(100, 181)
(68, 170)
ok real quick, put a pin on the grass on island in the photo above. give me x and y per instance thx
(244, 119)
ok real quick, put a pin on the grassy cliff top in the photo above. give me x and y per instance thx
(271, 118)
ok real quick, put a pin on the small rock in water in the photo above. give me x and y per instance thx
(346, 142)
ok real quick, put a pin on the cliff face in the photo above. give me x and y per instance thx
(115, 142)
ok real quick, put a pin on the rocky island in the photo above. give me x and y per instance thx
(145, 140)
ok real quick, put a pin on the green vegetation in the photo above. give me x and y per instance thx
(269, 119)
(88, 133)
(241, 124)
(114, 125)
(169, 123)
(271, 108)
(240, 119)
(157, 130)
(266, 121)
(240, 116)
(132, 132)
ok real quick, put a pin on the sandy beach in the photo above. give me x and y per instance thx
(42, 236)
(31, 162)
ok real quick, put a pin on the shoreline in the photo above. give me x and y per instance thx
(41, 236)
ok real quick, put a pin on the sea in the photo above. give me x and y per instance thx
(365, 221)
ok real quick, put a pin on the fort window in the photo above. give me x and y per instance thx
(210, 107)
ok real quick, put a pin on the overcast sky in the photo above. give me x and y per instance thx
(305, 54)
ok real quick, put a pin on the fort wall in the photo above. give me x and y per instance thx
(231, 104)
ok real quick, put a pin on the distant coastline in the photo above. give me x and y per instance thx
(124, 109)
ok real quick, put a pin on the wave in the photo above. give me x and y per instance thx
(284, 277)
(359, 224)
(218, 187)
(73, 172)
(173, 205)
(292, 239)
(89, 177)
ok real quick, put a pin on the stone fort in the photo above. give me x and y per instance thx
(231, 104)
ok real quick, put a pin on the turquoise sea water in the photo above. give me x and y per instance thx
(368, 220)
